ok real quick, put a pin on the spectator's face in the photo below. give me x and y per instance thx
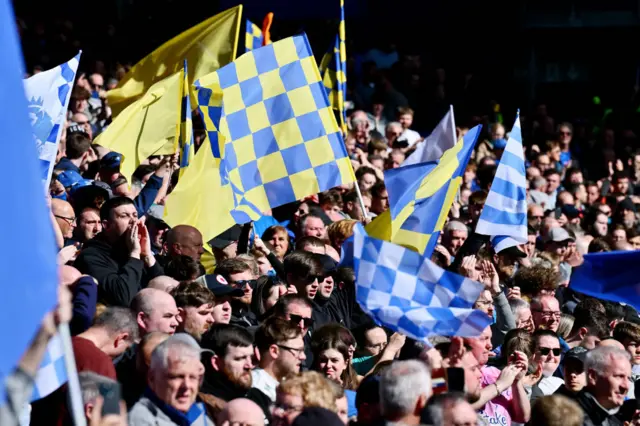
(610, 387)
(619, 235)
(525, 320)
(280, 243)
(380, 202)
(547, 354)
(343, 409)
(565, 135)
(286, 408)
(481, 346)
(472, 376)
(633, 348)
(290, 357)
(622, 185)
(530, 246)
(392, 134)
(485, 303)
(553, 183)
(302, 210)
(222, 310)
(406, 120)
(332, 364)
(497, 133)
(190, 244)
(326, 287)
(367, 181)
(121, 219)
(314, 227)
(245, 281)
(301, 315)
(89, 224)
(163, 317)
(574, 376)
(196, 320)
(593, 193)
(263, 265)
(461, 414)
(635, 242)
(536, 214)
(375, 341)
(236, 365)
(455, 239)
(178, 385)
(543, 163)
(601, 225)
(547, 315)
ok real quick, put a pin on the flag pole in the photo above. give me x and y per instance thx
(364, 210)
(75, 393)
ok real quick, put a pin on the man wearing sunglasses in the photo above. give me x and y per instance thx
(239, 275)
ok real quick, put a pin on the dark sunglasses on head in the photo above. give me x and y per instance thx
(295, 319)
(545, 351)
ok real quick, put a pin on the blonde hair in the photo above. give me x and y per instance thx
(340, 231)
(556, 410)
(314, 389)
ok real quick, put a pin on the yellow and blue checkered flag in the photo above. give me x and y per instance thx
(273, 128)
(253, 38)
(420, 197)
(334, 72)
(187, 150)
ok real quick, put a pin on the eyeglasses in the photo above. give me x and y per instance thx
(69, 220)
(536, 217)
(545, 351)
(294, 351)
(295, 319)
(380, 346)
(242, 283)
(549, 314)
(566, 133)
(286, 408)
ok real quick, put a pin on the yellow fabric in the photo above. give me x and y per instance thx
(207, 47)
(149, 126)
(199, 199)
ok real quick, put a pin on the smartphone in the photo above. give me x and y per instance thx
(110, 392)
(455, 380)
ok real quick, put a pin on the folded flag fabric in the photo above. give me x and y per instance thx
(609, 276)
(504, 216)
(408, 293)
(434, 146)
(52, 372)
(48, 95)
(253, 37)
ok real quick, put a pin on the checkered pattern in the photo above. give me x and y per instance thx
(272, 127)
(48, 95)
(253, 38)
(504, 215)
(421, 196)
(408, 293)
(334, 72)
(52, 372)
(187, 150)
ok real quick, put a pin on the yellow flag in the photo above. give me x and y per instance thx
(199, 199)
(206, 47)
(149, 126)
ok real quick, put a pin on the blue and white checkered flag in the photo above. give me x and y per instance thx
(52, 372)
(408, 293)
(48, 95)
(504, 216)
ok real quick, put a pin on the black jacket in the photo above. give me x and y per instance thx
(594, 415)
(119, 276)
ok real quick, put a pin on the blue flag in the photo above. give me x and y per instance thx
(48, 95)
(609, 276)
(28, 260)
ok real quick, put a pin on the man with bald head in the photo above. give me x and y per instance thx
(155, 310)
(185, 240)
(241, 411)
(65, 217)
(163, 283)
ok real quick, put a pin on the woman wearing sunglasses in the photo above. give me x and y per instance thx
(546, 355)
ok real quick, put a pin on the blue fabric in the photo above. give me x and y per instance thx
(85, 297)
(352, 411)
(66, 164)
(28, 261)
(147, 195)
(178, 417)
(261, 225)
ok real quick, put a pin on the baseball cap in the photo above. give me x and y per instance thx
(68, 178)
(578, 353)
(329, 265)
(558, 235)
(111, 160)
(220, 287)
(229, 236)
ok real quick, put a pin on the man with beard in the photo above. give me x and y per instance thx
(228, 370)
(239, 275)
(195, 309)
(119, 257)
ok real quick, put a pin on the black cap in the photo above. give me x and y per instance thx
(578, 353)
(513, 252)
(229, 236)
(329, 265)
(317, 416)
(571, 212)
(220, 287)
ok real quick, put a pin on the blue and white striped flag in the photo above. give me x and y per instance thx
(504, 216)
(48, 95)
(408, 293)
(52, 372)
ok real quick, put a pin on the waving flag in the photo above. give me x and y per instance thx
(48, 95)
(441, 139)
(408, 293)
(334, 72)
(504, 216)
(28, 292)
(52, 372)
(253, 38)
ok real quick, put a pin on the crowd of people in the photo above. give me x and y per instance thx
(265, 328)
